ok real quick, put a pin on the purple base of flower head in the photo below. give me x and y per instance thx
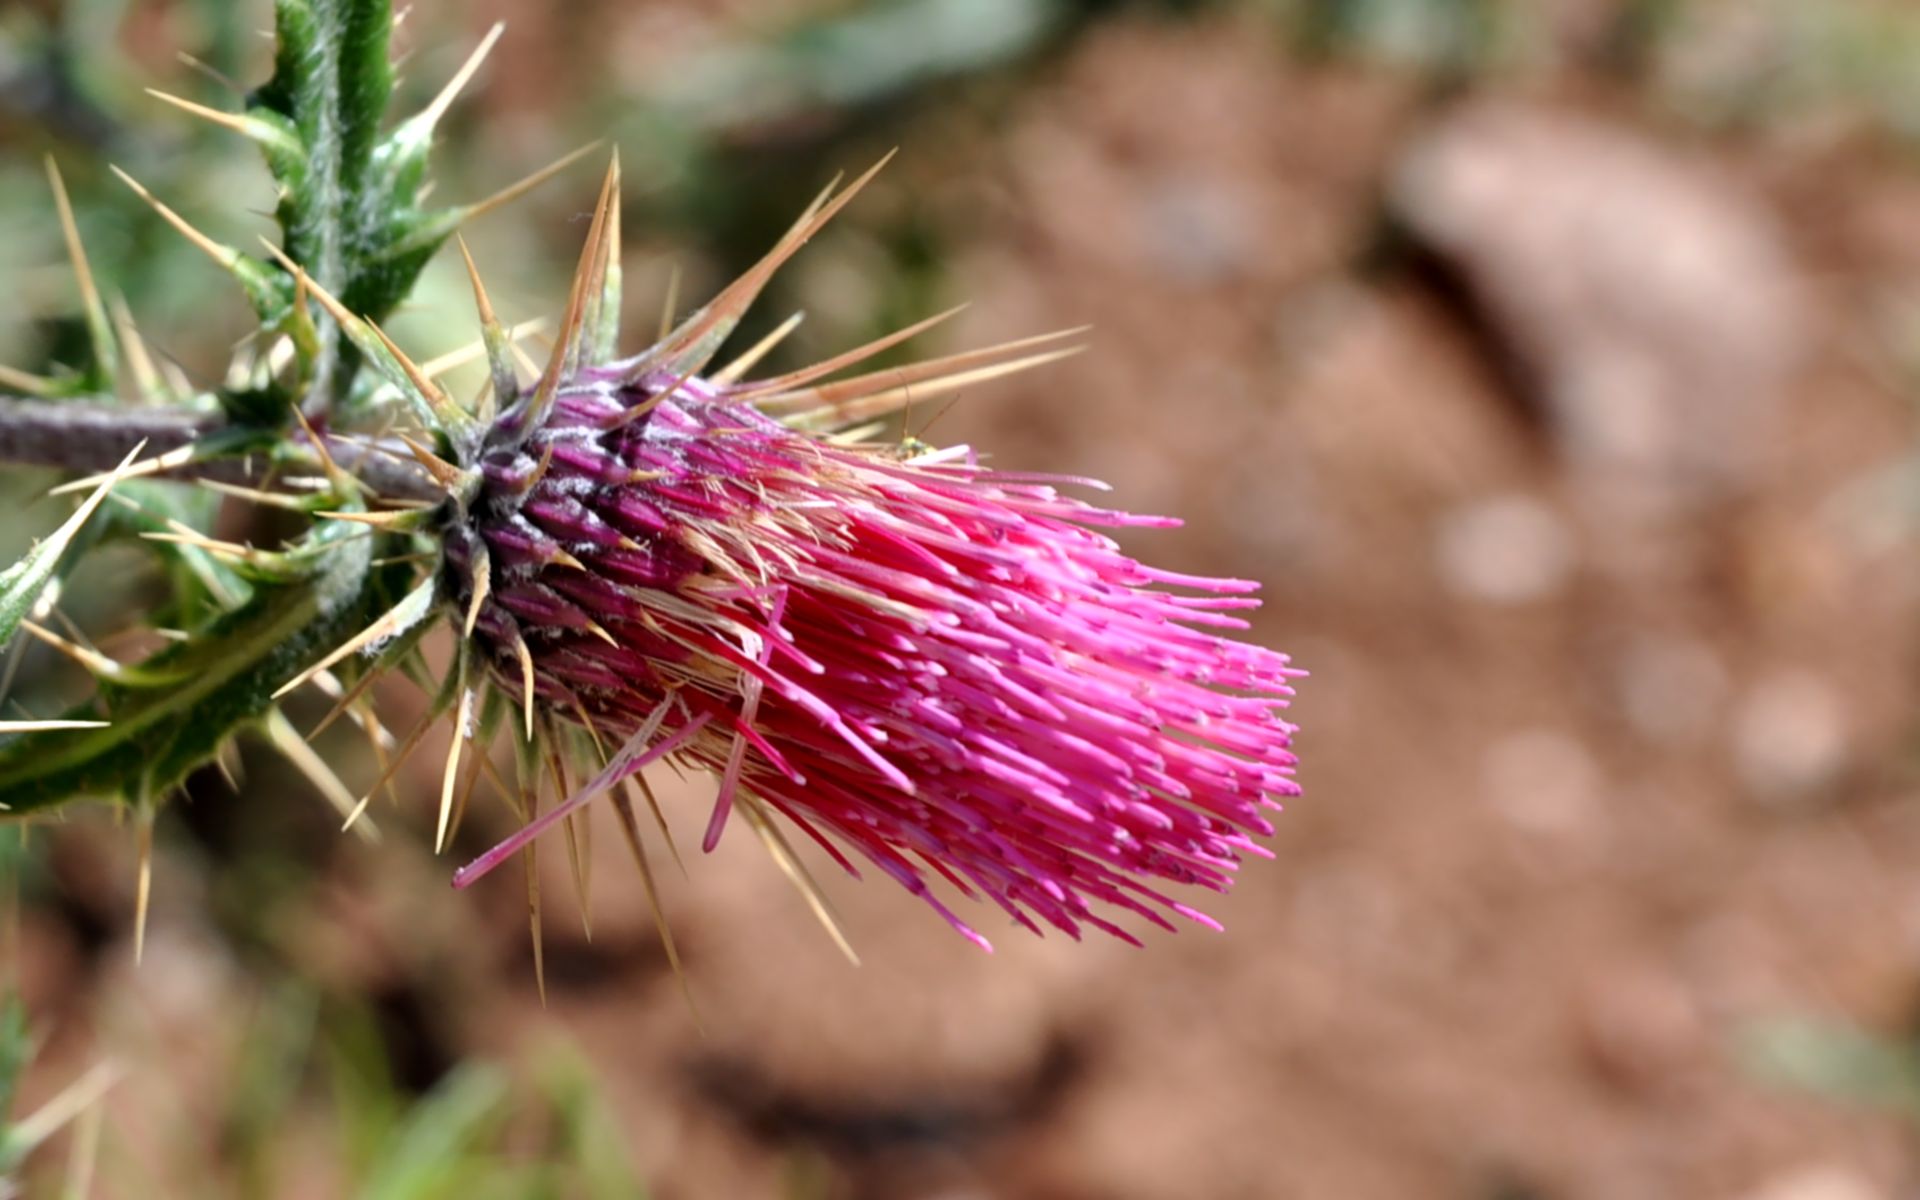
(946, 668)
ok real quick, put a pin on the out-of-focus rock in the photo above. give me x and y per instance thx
(1648, 303)
(1817, 1183)
(1641, 1029)
(1790, 736)
(1671, 687)
(1544, 781)
(1507, 550)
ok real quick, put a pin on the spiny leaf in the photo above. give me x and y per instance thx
(229, 671)
(352, 206)
(331, 84)
(23, 582)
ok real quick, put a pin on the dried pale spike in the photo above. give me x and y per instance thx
(771, 392)
(146, 377)
(559, 362)
(226, 757)
(606, 337)
(602, 277)
(514, 191)
(893, 399)
(376, 735)
(42, 726)
(77, 638)
(342, 480)
(177, 382)
(252, 128)
(482, 576)
(419, 377)
(434, 368)
(630, 829)
(525, 361)
(25, 382)
(593, 730)
(371, 340)
(81, 1096)
(99, 329)
(231, 550)
(635, 412)
(83, 1153)
(444, 473)
(736, 369)
(207, 70)
(462, 733)
(814, 206)
(671, 303)
(495, 341)
(403, 616)
(659, 818)
(528, 810)
(445, 409)
(286, 739)
(256, 496)
(557, 770)
(535, 924)
(430, 116)
(797, 873)
(498, 782)
(407, 746)
(330, 686)
(223, 254)
(90, 660)
(143, 880)
(538, 473)
(700, 336)
(859, 354)
(526, 680)
(857, 435)
(478, 761)
(399, 522)
(394, 560)
(130, 470)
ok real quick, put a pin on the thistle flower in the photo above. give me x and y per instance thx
(952, 671)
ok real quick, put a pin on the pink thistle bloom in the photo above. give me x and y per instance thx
(950, 670)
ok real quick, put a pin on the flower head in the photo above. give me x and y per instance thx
(952, 671)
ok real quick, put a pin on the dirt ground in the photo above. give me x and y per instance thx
(1607, 753)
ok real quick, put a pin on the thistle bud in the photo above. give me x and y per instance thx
(952, 671)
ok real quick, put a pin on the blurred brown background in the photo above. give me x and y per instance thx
(1552, 364)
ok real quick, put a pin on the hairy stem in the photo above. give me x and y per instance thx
(78, 436)
(74, 435)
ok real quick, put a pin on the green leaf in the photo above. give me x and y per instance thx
(440, 1135)
(227, 672)
(22, 584)
(350, 207)
(330, 85)
(1835, 1059)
